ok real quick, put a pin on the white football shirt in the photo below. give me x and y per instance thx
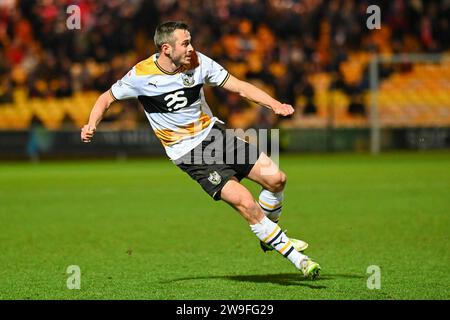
(174, 102)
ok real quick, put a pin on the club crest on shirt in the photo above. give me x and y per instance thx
(188, 79)
(214, 178)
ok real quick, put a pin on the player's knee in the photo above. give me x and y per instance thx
(283, 179)
(278, 182)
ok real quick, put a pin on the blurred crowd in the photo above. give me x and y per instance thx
(277, 44)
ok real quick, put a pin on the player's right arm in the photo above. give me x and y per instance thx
(125, 88)
(100, 107)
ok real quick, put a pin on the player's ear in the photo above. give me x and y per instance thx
(166, 48)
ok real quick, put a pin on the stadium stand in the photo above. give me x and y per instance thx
(313, 54)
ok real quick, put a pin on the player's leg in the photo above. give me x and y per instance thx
(266, 230)
(266, 173)
(238, 196)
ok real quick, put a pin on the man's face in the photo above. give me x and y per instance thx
(181, 51)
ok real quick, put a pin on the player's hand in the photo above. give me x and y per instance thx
(87, 133)
(283, 109)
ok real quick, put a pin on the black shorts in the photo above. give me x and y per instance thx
(219, 157)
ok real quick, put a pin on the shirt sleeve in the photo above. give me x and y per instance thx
(125, 88)
(215, 74)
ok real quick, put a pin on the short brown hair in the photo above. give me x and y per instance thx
(164, 32)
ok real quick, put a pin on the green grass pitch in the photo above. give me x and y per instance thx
(142, 229)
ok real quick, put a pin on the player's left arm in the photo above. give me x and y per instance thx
(253, 93)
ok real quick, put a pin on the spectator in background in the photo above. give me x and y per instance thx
(308, 92)
(356, 106)
(5, 89)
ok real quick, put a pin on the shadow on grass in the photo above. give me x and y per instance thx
(283, 279)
